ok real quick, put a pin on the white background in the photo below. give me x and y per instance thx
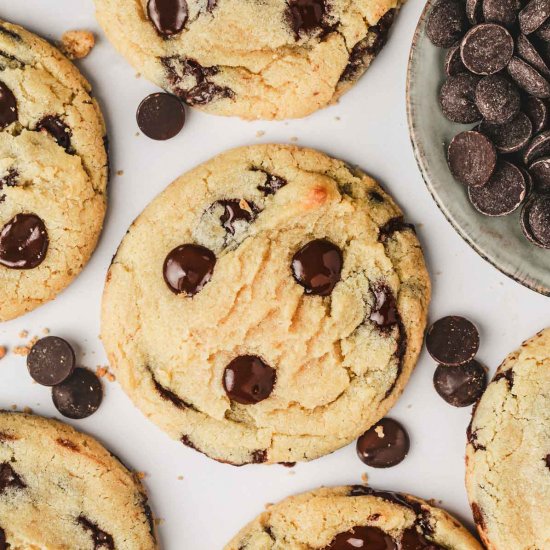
(368, 127)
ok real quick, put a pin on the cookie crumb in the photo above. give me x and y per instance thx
(27, 410)
(45, 331)
(180, 478)
(138, 75)
(3, 352)
(337, 118)
(141, 475)
(260, 133)
(101, 371)
(294, 139)
(23, 334)
(137, 134)
(13, 407)
(159, 521)
(77, 44)
(365, 478)
(111, 377)
(379, 431)
(23, 351)
(120, 172)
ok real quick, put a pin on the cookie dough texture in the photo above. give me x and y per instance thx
(508, 454)
(61, 490)
(64, 186)
(310, 521)
(250, 59)
(337, 371)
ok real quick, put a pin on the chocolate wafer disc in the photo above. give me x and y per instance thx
(538, 147)
(510, 137)
(528, 78)
(472, 158)
(486, 49)
(457, 99)
(540, 172)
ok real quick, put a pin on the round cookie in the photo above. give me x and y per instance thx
(53, 171)
(268, 306)
(508, 451)
(61, 489)
(353, 517)
(273, 59)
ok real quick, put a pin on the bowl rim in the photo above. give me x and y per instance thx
(422, 163)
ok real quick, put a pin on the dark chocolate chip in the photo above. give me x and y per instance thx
(384, 312)
(503, 12)
(168, 16)
(462, 385)
(10, 179)
(317, 266)
(533, 15)
(236, 211)
(161, 116)
(446, 23)
(511, 136)
(486, 48)
(57, 129)
(188, 268)
(100, 538)
(384, 445)
(507, 375)
(78, 396)
(9, 478)
(8, 106)
(528, 78)
(502, 194)
(453, 62)
(472, 158)
(452, 340)
(272, 183)
(392, 226)
(51, 361)
(306, 15)
(412, 539)
(474, 11)
(529, 54)
(23, 242)
(3, 540)
(536, 220)
(540, 171)
(259, 457)
(457, 99)
(547, 460)
(248, 380)
(362, 537)
(478, 515)
(537, 111)
(168, 395)
(497, 99)
(10, 33)
(539, 147)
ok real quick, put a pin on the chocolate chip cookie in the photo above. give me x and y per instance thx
(61, 489)
(344, 518)
(53, 171)
(508, 452)
(268, 306)
(273, 59)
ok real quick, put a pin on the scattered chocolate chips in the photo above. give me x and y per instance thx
(453, 62)
(497, 99)
(502, 194)
(306, 15)
(168, 16)
(537, 111)
(362, 537)
(462, 385)
(101, 539)
(540, 172)
(57, 129)
(533, 15)
(8, 106)
(452, 340)
(248, 380)
(9, 478)
(486, 49)
(457, 99)
(51, 361)
(528, 78)
(188, 268)
(317, 266)
(235, 211)
(23, 242)
(384, 312)
(536, 220)
(503, 12)
(161, 116)
(78, 396)
(384, 445)
(446, 23)
(472, 158)
(511, 136)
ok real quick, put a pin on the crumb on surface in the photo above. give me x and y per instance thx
(3, 351)
(294, 139)
(13, 407)
(260, 133)
(364, 478)
(120, 172)
(27, 410)
(45, 331)
(180, 478)
(141, 475)
(23, 334)
(77, 44)
(379, 431)
(159, 521)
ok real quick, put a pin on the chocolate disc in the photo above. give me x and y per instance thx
(510, 137)
(384, 445)
(457, 99)
(188, 268)
(51, 361)
(57, 129)
(486, 48)
(168, 16)
(497, 99)
(161, 116)
(474, 11)
(533, 15)
(23, 242)
(317, 266)
(529, 54)
(78, 396)
(452, 340)
(528, 78)
(453, 62)
(536, 220)
(248, 380)
(543, 32)
(540, 172)
(537, 111)
(503, 12)
(446, 23)
(472, 158)
(8, 106)
(538, 147)
(462, 385)
(363, 537)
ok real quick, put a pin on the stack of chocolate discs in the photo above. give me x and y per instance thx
(498, 77)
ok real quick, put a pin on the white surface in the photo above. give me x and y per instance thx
(213, 501)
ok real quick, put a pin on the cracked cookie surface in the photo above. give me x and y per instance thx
(61, 490)
(272, 59)
(53, 171)
(508, 454)
(353, 517)
(299, 317)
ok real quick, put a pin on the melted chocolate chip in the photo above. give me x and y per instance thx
(259, 457)
(168, 16)
(452, 340)
(23, 242)
(10, 179)
(317, 266)
(9, 478)
(547, 460)
(8, 106)
(462, 385)
(67, 444)
(507, 375)
(100, 538)
(3, 541)
(10, 33)
(306, 15)
(362, 537)
(394, 225)
(57, 129)
(384, 445)
(478, 515)
(248, 380)
(51, 361)
(170, 396)
(375, 196)
(384, 312)
(272, 183)
(188, 268)
(78, 396)
(161, 116)
(236, 211)
(412, 539)
(446, 23)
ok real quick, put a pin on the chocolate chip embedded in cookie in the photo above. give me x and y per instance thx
(268, 306)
